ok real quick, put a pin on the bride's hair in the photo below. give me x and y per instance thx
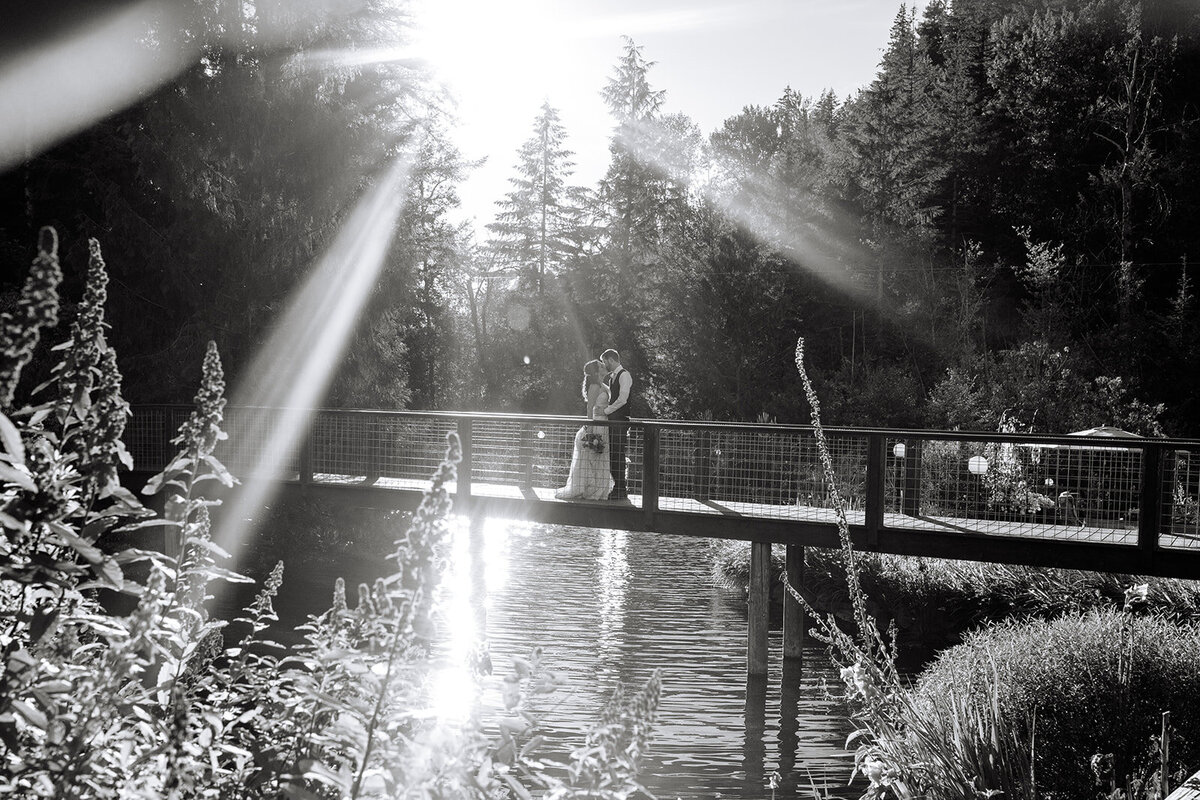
(591, 374)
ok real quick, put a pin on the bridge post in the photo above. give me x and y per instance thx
(758, 608)
(526, 449)
(702, 465)
(306, 454)
(650, 461)
(912, 479)
(167, 450)
(463, 491)
(1150, 506)
(876, 464)
(793, 614)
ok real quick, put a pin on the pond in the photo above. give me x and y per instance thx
(608, 606)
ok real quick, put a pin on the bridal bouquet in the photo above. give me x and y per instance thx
(594, 442)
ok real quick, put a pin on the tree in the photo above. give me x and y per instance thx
(538, 227)
(220, 188)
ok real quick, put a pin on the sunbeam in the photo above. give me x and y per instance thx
(63, 85)
(291, 371)
(821, 252)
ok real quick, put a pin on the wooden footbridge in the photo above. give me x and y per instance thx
(1125, 505)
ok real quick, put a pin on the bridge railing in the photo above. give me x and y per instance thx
(1138, 492)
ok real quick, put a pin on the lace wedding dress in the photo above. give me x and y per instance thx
(589, 478)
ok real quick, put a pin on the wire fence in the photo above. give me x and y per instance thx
(1096, 490)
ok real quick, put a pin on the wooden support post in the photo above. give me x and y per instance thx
(793, 613)
(305, 454)
(1164, 754)
(876, 464)
(758, 608)
(374, 441)
(912, 479)
(702, 477)
(1150, 509)
(167, 432)
(650, 461)
(526, 453)
(463, 491)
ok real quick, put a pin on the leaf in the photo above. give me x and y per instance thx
(12, 523)
(119, 492)
(11, 475)
(42, 623)
(97, 527)
(317, 771)
(223, 475)
(532, 745)
(210, 546)
(229, 575)
(110, 573)
(155, 522)
(133, 554)
(78, 543)
(31, 714)
(519, 790)
(12, 440)
(513, 724)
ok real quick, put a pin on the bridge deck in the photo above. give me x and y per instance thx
(1053, 531)
(1125, 505)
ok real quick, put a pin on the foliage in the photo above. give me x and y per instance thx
(1014, 710)
(935, 602)
(997, 222)
(97, 703)
(1006, 481)
(1097, 683)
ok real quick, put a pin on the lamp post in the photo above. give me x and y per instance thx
(977, 465)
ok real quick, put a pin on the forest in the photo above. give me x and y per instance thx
(995, 231)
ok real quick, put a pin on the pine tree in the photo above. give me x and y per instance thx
(539, 225)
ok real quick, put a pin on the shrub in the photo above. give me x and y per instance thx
(98, 704)
(1096, 684)
(933, 602)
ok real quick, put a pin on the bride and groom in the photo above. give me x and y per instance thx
(598, 458)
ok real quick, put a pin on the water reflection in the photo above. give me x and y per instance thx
(612, 577)
(754, 747)
(608, 606)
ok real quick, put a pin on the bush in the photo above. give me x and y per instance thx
(933, 602)
(152, 703)
(1092, 684)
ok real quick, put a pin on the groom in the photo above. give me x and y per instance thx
(620, 384)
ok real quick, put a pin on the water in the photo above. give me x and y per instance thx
(608, 606)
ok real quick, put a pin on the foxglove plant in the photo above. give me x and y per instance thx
(899, 750)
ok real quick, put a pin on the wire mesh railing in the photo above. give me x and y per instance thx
(1116, 491)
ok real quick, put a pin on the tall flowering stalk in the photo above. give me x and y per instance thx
(870, 648)
(901, 749)
(37, 309)
(89, 412)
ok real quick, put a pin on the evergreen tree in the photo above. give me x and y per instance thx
(538, 227)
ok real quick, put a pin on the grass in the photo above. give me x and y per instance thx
(1095, 682)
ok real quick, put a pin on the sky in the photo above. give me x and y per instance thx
(502, 60)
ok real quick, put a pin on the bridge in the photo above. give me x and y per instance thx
(1124, 505)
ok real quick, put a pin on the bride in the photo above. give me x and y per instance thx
(590, 477)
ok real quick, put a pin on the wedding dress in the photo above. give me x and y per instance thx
(590, 478)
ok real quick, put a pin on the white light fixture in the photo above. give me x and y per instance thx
(978, 465)
(898, 450)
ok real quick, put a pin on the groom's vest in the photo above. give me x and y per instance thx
(614, 391)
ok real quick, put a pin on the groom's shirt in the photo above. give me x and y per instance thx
(624, 382)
